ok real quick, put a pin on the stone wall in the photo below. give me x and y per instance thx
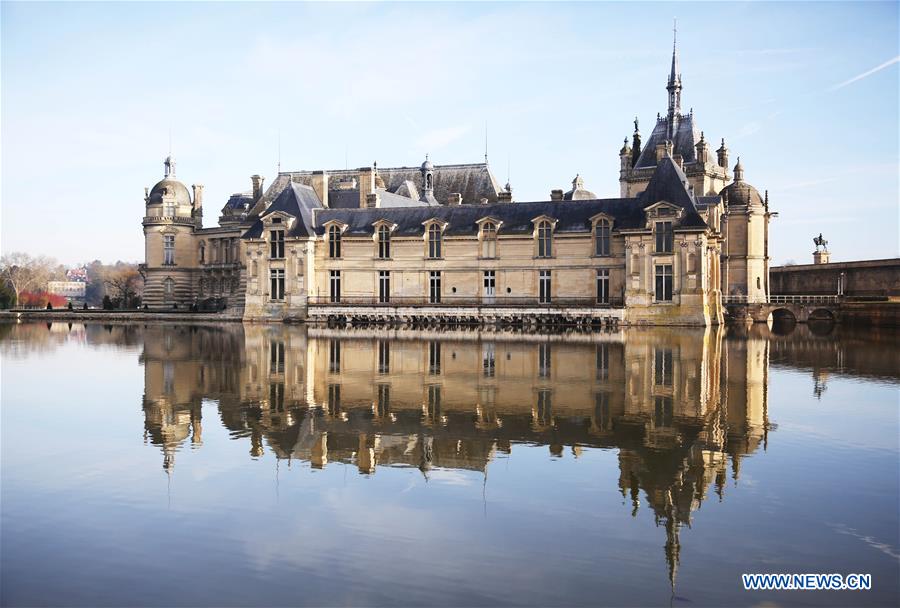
(864, 278)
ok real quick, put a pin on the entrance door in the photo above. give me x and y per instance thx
(489, 286)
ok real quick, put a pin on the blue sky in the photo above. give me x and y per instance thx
(91, 92)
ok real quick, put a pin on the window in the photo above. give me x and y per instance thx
(434, 358)
(335, 286)
(434, 241)
(664, 283)
(384, 400)
(544, 360)
(384, 286)
(202, 253)
(384, 357)
(276, 396)
(276, 277)
(603, 361)
(276, 357)
(169, 209)
(334, 399)
(276, 244)
(434, 287)
(169, 249)
(434, 401)
(334, 356)
(544, 286)
(544, 407)
(603, 286)
(602, 417)
(384, 242)
(276, 220)
(490, 285)
(664, 237)
(334, 242)
(663, 410)
(662, 367)
(489, 240)
(545, 239)
(601, 238)
(169, 288)
(488, 360)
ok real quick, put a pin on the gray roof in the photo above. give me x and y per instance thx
(174, 187)
(298, 201)
(686, 137)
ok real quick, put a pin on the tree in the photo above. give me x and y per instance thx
(23, 272)
(122, 282)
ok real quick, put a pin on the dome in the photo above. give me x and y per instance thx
(740, 193)
(427, 166)
(578, 192)
(171, 188)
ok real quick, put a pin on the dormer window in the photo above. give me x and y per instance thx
(664, 237)
(435, 241)
(276, 244)
(169, 209)
(602, 230)
(544, 239)
(384, 242)
(334, 242)
(276, 220)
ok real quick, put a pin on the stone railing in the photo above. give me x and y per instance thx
(169, 219)
(781, 300)
(450, 300)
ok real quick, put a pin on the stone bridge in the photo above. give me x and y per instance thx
(799, 309)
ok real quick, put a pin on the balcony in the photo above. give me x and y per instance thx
(454, 301)
(169, 219)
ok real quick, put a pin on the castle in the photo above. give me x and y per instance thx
(447, 239)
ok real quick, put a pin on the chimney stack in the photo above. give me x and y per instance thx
(504, 196)
(257, 186)
(320, 185)
(198, 196)
(556, 195)
(373, 200)
(454, 199)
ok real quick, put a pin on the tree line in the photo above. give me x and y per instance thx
(24, 281)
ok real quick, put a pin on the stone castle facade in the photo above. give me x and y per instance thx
(437, 238)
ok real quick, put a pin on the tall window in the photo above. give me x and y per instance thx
(603, 361)
(434, 241)
(662, 367)
(334, 399)
(544, 411)
(544, 360)
(334, 356)
(202, 253)
(434, 287)
(276, 244)
(434, 401)
(434, 358)
(663, 411)
(544, 286)
(334, 281)
(334, 242)
(384, 242)
(664, 283)
(384, 400)
(603, 286)
(489, 240)
(545, 239)
(168, 249)
(169, 288)
(384, 286)
(602, 417)
(276, 357)
(664, 237)
(490, 285)
(488, 360)
(276, 277)
(384, 357)
(601, 238)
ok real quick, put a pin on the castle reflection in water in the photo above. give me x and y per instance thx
(681, 406)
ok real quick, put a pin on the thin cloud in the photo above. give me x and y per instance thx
(866, 74)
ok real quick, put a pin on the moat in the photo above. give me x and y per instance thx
(228, 464)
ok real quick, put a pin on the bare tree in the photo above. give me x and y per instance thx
(123, 283)
(23, 272)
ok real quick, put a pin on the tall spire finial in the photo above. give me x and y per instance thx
(674, 84)
(485, 143)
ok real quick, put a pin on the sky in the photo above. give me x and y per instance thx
(93, 95)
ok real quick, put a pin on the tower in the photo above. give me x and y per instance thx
(427, 171)
(745, 256)
(170, 221)
(674, 88)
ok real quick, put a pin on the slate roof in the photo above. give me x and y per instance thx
(343, 199)
(686, 137)
(296, 200)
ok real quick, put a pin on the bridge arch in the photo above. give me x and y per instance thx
(821, 314)
(783, 315)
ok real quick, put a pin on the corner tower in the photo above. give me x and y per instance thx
(745, 255)
(170, 221)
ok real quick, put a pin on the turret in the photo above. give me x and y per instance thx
(722, 153)
(624, 159)
(702, 150)
(635, 144)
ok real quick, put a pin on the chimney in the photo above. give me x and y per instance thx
(257, 186)
(484, 201)
(679, 160)
(722, 154)
(366, 185)
(320, 185)
(661, 150)
(198, 196)
(504, 196)
(454, 199)
(556, 195)
(373, 200)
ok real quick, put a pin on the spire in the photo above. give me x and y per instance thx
(674, 84)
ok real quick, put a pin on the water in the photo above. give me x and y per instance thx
(269, 465)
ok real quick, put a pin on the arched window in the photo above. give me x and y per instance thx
(384, 242)
(489, 240)
(545, 239)
(434, 241)
(692, 263)
(334, 242)
(253, 268)
(169, 288)
(601, 238)
(202, 252)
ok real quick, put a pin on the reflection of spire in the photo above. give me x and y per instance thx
(673, 546)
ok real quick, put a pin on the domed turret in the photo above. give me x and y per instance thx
(740, 193)
(169, 188)
(578, 191)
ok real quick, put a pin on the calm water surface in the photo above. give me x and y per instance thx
(270, 465)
